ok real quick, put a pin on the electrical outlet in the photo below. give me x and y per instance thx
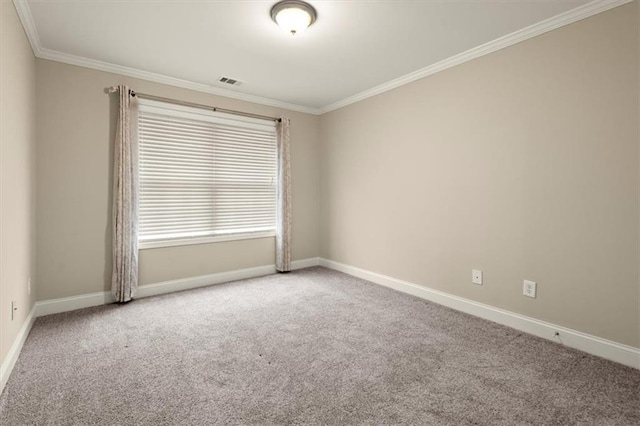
(476, 276)
(14, 308)
(29, 287)
(529, 288)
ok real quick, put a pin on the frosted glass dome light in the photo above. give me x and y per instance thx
(293, 16)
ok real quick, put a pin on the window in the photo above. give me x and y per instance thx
(204, 176)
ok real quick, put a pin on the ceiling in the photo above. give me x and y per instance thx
(355, 49)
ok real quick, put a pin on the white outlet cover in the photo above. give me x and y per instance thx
(529, 288)
(476, 276)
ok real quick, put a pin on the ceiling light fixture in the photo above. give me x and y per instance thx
(293, 16)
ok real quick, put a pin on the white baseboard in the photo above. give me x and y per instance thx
(604, 348)
(202, 281)
(14, 352)
(305, 263)
(65, 304)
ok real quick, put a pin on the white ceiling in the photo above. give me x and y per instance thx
(354, 49)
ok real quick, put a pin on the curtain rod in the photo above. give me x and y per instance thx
(114, 89)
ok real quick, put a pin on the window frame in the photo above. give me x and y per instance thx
(180, 111)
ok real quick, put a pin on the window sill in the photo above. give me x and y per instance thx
(143, 245)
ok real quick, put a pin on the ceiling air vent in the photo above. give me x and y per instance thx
(229, 80)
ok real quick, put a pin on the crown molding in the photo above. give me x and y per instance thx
(24, 13)
(80, 61)
(566, 18)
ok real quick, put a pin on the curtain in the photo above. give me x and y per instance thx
(283, 198)
(124, 280)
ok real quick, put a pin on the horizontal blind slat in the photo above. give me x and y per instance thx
(203, 178)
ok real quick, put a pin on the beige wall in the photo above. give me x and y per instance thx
(522, 163)
(76, 126)
(17, 175)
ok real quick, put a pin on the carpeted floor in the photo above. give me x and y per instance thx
(313, 346)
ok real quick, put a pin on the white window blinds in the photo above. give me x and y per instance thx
(204, 176)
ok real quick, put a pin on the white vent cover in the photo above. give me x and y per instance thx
(231, 81)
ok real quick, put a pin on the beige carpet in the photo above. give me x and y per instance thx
(309, 347)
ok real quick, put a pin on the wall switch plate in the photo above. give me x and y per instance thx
(476, 276)
(529, 288)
